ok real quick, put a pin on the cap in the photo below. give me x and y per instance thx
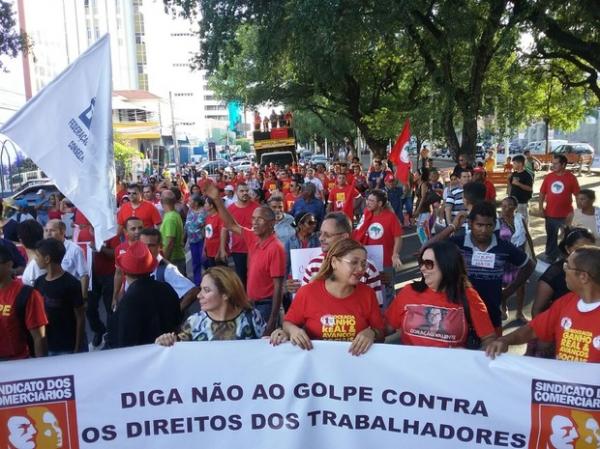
(229, 188)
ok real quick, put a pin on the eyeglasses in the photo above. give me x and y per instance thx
(326, 235)
(362, 264)
(566, 267)
(427, 263)
(310, 223)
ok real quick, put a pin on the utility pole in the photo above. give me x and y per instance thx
(175, 143)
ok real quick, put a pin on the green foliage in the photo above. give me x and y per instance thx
(11, 41)
(370, 64)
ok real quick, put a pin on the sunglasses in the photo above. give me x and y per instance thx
(427, 263)
(310, 222)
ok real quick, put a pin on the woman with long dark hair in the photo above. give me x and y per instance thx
(439, 309)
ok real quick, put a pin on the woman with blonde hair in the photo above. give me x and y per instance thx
(225, 312)
(336, 305)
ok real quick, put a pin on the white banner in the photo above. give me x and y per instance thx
(67, 130)
(299, 258)
(219, 394)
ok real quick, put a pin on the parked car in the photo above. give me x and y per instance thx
(30, 191)
(574, 148)
(318, 159)
(539, 146)
(213, 166)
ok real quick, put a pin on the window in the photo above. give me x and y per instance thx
(214, 107)
(217, 117)
(184, 94)
(209, 97)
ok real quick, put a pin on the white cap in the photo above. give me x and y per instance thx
(229, 187)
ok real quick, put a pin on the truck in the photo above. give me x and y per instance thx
(277, 145)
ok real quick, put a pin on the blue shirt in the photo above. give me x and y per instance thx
(486, 269)
(314, 206)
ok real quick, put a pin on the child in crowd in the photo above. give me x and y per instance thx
(62, 299)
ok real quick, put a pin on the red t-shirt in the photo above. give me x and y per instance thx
(243, 217)
(285, 185)
(576, 333)
(342, 199)
(490, 191)
(558, 191)
(104, 265)
(266, 260)
(203, 183)
(350, 178)
(429, 319)
(268, 187)
(146, 212)
(379, 229)
(13, 344)
(290, 199)
(325, 317)
(212, 234)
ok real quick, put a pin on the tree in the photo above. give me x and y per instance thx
(347, 63)
(568, 31)
(458, 42)
(124, 154)
(11, 41)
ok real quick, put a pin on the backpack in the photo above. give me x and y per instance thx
(21, 306)
(160, 270)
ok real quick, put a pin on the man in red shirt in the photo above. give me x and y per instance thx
(14, 319)
(557, 191)
(292, 195)
(379, 225)
(133, 230)
(270, 184)
(479, 175)
(343, 197)
(137, 207)
(573, 321)
(266, 259)
(204, 181)
(241, 211)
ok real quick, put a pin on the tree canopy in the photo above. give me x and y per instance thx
(373, 63)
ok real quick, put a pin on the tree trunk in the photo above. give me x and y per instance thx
(378, 147)
(546, 133)
(469, 137)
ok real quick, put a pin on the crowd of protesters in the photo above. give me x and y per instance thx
(240, 229)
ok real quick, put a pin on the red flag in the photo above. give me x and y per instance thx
(399, 154)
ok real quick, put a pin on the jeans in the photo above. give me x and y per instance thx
(265, 307)
(407, 204)
(196, 250)
(388, 290)
(240, 261)
(553, 225)
(102, 288)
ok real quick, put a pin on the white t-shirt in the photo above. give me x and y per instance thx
(74, 260)
(175, 279)
(31, 273)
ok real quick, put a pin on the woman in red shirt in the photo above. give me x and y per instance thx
(439, 309)
(335, 305)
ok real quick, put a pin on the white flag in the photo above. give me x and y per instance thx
(66, 129)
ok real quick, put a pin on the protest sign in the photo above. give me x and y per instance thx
(219, 394)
